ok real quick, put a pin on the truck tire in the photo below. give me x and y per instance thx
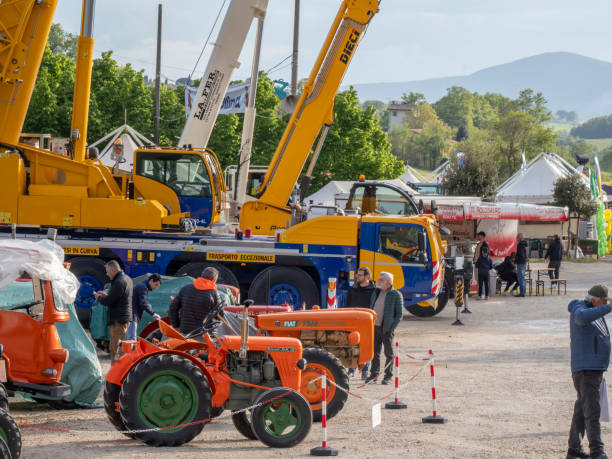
(165, 390)
(111, 398)
(92, 277)
(277, 285)
(4, 402)
(10, 433)
(286, 430)
(429, 311)
(242, 423)
(195, 268)
(316, 361)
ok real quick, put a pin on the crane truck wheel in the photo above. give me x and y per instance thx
(317, 361)
(10, 434)
(194, 269)
(92, 277)
(424, 309)
(111, 399)
(165, 390)
(283, 419)
(284, 285)
(242, 423)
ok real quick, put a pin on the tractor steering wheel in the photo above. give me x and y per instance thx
(26, 306)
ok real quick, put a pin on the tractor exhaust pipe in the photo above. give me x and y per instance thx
(244, 333)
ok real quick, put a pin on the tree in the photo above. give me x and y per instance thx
(471, 174)
(456, 108)
(595, 128)
(62, 42)
(573, 193)
(382, 111)
(534, 104)
(420, 115)
(413, 98)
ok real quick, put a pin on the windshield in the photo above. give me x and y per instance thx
(380, 199)
(402, 243)
(185, 174)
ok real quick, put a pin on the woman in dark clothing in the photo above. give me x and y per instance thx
(507, 272)
(484, 265)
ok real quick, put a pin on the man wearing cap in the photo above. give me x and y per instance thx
(388, 304)
(590, 356)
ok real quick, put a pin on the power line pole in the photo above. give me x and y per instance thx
(158, 74)
(294, 59)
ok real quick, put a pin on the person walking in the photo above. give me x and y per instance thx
(554, 254)
(118, 300)
(590, 357)
(194, 301)
(521, 263)
(484, 265)
(388, 304)
(140, 303)
(359, 296)
(507, 273)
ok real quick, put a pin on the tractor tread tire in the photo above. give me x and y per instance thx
(334, 368)
(11, 431)
(243, 425)
(4, 401)
(128, 399)
(111, 397)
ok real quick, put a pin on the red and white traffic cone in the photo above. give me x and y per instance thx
(323, 450)
(332, 300)
(435, 418)
(396, 404)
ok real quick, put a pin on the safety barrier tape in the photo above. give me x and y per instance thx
(157, 429)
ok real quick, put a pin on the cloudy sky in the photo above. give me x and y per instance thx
(407, 39)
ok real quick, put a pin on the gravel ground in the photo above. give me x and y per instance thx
(503, 383)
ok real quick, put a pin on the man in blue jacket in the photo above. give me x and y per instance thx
(140, 303)
(590, 351)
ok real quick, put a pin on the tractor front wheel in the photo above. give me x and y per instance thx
(283, 418)
(111, 403)
(10, 433)
(165, 391)
(318, 360)
(242, 423)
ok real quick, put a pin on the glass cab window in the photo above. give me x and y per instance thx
(407, 244)
(378, 199)
(186, 174)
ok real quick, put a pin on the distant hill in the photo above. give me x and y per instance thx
(568, 81)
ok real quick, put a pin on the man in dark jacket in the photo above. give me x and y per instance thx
(554, 253)
(360, 296)
(590, 357)
(388, 304)
(118, 300)
(507, 273)
(194, 301)
(521, 263)
(140, 303)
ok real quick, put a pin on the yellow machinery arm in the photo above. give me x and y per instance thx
(313, 110)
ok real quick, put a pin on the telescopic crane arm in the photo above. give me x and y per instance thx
(313, 110)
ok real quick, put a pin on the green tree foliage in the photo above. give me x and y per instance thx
(355, 145)
(382, 112)
(62, 42)
(456, 108)
(595, 128)
(573, 193)
(471, 174)
(413, 98)
(534, 104)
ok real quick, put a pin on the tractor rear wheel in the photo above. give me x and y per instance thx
(283, 420)
(4, 404)
(318, 360)
(111, 400)
(242, 423)
(10, 433)
(165, 390)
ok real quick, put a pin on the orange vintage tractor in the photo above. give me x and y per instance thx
(179, 381)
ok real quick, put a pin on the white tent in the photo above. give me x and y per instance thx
(534, 184)
(437, 176)
(411, 175)
(337, 192)
(123, 158)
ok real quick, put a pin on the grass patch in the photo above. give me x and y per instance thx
(599, 144)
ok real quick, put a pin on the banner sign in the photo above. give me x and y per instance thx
(235, 100)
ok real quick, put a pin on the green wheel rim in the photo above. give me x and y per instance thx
(3, 436)
(281, 418)
(167, 398)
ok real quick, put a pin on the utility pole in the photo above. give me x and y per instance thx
(294, 59)
(158, 73)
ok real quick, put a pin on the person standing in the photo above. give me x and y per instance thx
(194, 301)
(359, 296)
(484, 265)
(140, 303)
(388, 304)
(482, 242)
(521, 263)
(590, 357)
(118, 300)
(554, 254)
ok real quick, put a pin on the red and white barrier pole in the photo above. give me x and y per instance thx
(396, 404)
(435, 418)
(332, 301)
(323, 450)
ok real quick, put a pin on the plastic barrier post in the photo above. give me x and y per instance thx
(396, 404)
(323, 450)
(459, 299)
(435, 419)
(332, 301)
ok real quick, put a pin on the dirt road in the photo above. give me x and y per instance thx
(503, 383)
